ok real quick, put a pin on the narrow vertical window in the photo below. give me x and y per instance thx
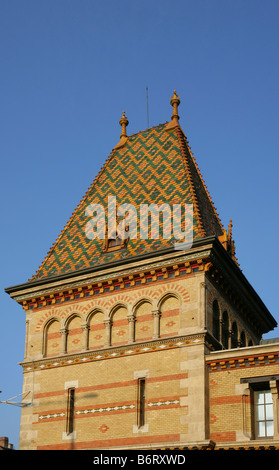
(225, 330)
(234, 332)
(70, 410)
(264, 413)
(141, 409)
(216, 320)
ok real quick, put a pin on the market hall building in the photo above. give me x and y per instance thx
(133, 343)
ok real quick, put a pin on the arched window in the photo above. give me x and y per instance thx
(120, 327)
(52, 342)
(234, 335)
(169, 321)
(225, 330)
(144, 321)
(242, 340)
(97, 331)
(74, 334)
(216, 320)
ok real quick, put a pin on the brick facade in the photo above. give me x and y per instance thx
(160, 331)
(152, 345)
(231, 374)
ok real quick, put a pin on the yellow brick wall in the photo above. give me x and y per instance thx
(111, 383)
(175, 376)
(230, 401)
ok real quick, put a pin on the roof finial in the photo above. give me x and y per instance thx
(124, 123)
(175, 101)
(123, 137)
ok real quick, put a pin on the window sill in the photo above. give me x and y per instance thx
(140, 429)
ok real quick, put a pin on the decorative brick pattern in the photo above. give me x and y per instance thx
(243, 362)
(53, 313)
(129, 350)
(116, 442)
(230, 399)
(113, 408)
(107, 303)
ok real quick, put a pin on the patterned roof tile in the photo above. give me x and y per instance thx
(153, 166)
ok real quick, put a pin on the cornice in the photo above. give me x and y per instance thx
(207, 255)
(241, 358)
(138, 260)
(104, 281)
(115, 351)
(263, 444)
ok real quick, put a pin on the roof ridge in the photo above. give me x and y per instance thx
(191, 183)
(184, 141)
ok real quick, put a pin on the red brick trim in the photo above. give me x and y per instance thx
(226, 400)
(132, 441)
(223, 436)
(124, 383)
(75, 305)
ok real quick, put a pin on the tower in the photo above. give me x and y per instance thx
(123, 328)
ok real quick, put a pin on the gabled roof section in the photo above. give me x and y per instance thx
(154, 166)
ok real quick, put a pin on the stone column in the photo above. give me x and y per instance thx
(274, 391)
(220, 323)
(108, 325)
(202, 319)
(156, 315)
(243, 390)
(85, 337)
(26, 338)
(230, 339)
(131, 320)
(64, 334)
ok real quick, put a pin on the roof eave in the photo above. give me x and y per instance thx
(107, 266)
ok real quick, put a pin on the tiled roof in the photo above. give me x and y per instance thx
(153, 166)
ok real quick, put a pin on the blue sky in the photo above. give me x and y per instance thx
(68, 70)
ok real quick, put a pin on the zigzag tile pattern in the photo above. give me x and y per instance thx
(150, 168)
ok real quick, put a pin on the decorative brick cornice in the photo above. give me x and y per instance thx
(261, 359)
(127, 279)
